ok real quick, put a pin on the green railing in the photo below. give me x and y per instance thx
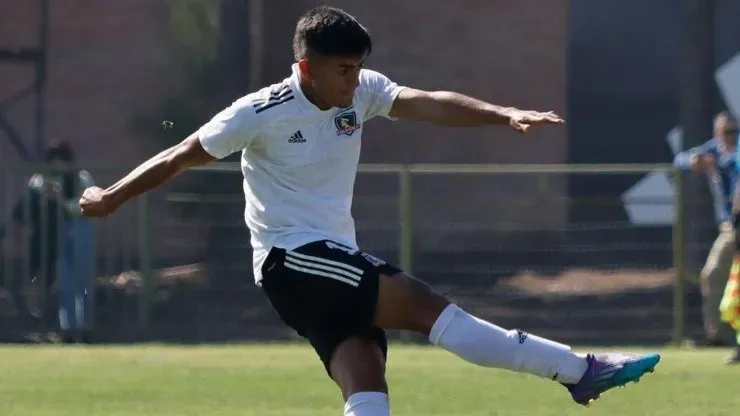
(141, 239)
(543, 172)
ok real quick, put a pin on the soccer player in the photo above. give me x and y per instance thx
(300, 145)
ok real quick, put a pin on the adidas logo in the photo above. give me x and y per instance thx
(297, 137)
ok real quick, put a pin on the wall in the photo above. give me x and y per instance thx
(109, 60)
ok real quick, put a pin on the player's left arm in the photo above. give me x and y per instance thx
(446, 108)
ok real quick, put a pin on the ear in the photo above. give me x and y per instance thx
(305, 69)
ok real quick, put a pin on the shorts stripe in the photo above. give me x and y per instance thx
(314, 266)
(314, 259)
(320, 273)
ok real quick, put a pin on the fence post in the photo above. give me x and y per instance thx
(42, 273)
(542, 182)
(679, 255)
(406, 246)
(407, 229)
(145, 261)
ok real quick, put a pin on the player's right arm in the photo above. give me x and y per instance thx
(697, 159)
(231, 130)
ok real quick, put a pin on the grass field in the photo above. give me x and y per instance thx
(288, 380)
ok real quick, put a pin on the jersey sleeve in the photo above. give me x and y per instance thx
(378, 92)
(231, 130)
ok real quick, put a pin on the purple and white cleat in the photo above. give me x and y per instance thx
(606, 371)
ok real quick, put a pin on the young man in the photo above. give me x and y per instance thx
(716, 159)
(300, 144)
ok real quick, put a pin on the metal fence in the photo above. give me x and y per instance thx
(510, 243)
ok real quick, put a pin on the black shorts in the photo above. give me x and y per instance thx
(326, 292)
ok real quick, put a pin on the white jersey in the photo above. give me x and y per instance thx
(299, 162)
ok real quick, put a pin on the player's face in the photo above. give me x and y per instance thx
(334, 79)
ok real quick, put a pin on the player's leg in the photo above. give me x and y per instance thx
(357, 365)
(408, 303)
(405, 302)
(328, 293)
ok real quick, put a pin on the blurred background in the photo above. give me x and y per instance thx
(586, 234)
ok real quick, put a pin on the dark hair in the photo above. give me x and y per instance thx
(62, 151)
(329, 31)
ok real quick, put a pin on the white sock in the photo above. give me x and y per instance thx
(367, 403)
(488, 345)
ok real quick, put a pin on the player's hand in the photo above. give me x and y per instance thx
(96, 203)
(701, 163)
(521, 120)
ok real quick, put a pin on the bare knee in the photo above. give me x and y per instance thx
(407, 303)
(358, 365)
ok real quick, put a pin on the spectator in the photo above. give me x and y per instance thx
(716, 159)
(60, 239)
(76, 255)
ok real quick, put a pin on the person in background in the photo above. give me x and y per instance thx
(60, 240)
(75, 266)
(716, 159)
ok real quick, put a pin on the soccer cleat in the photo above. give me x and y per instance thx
(607, 371)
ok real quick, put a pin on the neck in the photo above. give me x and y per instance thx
(313, 97)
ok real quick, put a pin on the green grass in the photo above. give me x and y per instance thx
(288, 380)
